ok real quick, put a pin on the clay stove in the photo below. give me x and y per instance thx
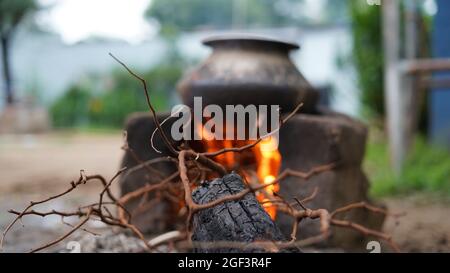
(252, 70)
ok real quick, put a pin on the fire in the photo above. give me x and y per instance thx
(264, 155)
(268, 160)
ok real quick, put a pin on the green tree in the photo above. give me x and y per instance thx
(107, 105)
(368, 54)
(72, 108)
(12, 13)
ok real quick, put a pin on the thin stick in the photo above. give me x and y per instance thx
(150, 106)
(108, 185)
(79, 225)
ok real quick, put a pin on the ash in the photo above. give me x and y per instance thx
(108, 242)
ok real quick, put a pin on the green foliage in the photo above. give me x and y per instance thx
(72, 108)
(368, 54)
(85, 105)
(427, 170)
(111, 108)
(12, 13)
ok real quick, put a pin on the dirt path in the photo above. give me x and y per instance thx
(425, 227)
(33, 167)
(30, 161)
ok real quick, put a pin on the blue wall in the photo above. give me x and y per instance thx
(440, 98)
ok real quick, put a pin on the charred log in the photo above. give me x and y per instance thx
(243, 220)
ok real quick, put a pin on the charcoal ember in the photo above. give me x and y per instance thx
(241, 220)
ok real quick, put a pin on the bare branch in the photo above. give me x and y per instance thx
(150, 106)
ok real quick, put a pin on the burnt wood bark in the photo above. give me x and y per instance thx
(242, 220)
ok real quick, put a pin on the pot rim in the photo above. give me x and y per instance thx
(213, 40)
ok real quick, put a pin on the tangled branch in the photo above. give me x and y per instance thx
(177, 188)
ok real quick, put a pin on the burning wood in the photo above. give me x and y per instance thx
(178, 187)
(242, 220)
(259, 165)
(268, 160)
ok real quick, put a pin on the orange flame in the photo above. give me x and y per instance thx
(268, 160)
(266, 156)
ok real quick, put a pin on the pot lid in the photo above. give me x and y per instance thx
(215, 40)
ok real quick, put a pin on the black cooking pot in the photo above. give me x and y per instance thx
(244, 69)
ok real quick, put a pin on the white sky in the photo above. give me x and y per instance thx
(76, 20)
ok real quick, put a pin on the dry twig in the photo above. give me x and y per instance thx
(190, 162)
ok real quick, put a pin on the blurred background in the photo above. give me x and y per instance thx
(64, 100)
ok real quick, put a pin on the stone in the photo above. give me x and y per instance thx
(139, 128)
(307, 141)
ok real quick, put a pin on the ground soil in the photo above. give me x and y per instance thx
(35, 166)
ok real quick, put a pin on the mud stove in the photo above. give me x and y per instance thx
(251, 70)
